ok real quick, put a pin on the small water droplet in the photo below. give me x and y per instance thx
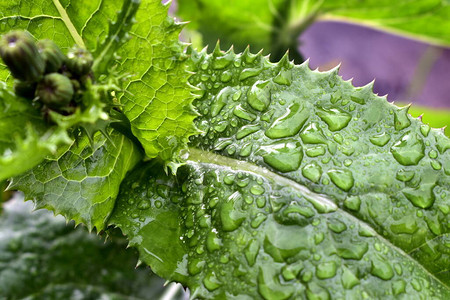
(257, 221)
(312, 134)
(221, 143)
(211, 281)
(249, 72)
(337, 226)
(246, 150)
(213, 242)
(409, 150)
(380, 139)
(352, 203)
(283, 78)
(343, 179)
(422, 196)
(284, 157)
(144, 204)
(240, 112)
(313, 172)
(349, 279)
(230, 215)
(291, 272)
(335, 118)
(225, 76)
(401, 119)
(257, 189)
(406, 224)
(259, 95)
(326, 270)
(381, 268)
(246, 130)
(221, 100)
(404, 175)
(221, 126)
(251, 252)
(269, 285)
(314, 151)
(398, 287)
(289, 123)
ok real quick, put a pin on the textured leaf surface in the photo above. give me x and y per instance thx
(82, 184)
(25, 140)
(267, 23)
(158, 100)
(43, 258)
(301, 186)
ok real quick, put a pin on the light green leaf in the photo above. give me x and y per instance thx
(25, 139)
(158, 99)
(435, 117)
(302, 186)
(43, 258)
(82, 183)
(275, 25)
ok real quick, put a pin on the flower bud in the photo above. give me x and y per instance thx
(79, 61)
(20, 53)
(52, 55)
(55, 90)
(25, 89)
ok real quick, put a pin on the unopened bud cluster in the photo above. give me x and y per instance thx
(43, 72)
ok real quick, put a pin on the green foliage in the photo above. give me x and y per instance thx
(276, 24)
(43, 258)
(295, 184)
(300, 186)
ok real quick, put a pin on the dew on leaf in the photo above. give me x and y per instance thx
(335, 118)
(316, 150)
(313, 172)
(407, 224)
(270, 287)
(249, 72)
(348, 279)
(211, 281)
(251, 252)
(312, 134)
(258, 220)
(284, 77)
(422, 196)
(337, 226)
(401, 119)
(404, 175)
(259, 95)
(230, 216)
(380, 139)
(290, 272)
(352, 250)
(326, 270)
(398, 287)
(246, 150)
(288, 124)
(213, 242)
(409, 150)
(246, 130)
(343, 179)
(284, 157)
(240, 112)
(381, 268)
(279, 243)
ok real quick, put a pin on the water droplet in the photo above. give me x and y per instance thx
(433, 154)
(349, 280)
(257, 221)
(195, 266)
(221, 126)
(425, 130)
(335, 118)
(316, 292)
(343, 179)
(221, 143)
(211, 282)
(251, 252)
(158, 204)
(257, 189)
(401, 119)
(380, 139)
(230, 215)
(222, 62)
(242, 181)
(279, 243)
(314, 151)
(240, 112)
(404, 175)
(288, 124)
(269, 285)
(144, 204)
(381, 269)
(409, 150)
(436, 165)
(352, 250)
(246, 150)
(283, 78)
(312, 134)
(337, 226)
(352, 203)
(290, 272)
(296, 209)
(249, 72)
(406, 224)
(326, 270)
(422, 196)
(229, 178)
(213, 242)
(221, 100)
(312, 171)
(398, 287)
(319, 237)
(259, 95)
(415, 283)
(225, 76)
(246, 130)
(284, 157)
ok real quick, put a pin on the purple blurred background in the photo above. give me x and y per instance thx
(407, 70)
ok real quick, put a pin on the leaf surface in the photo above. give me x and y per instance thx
(158, 101)
(82, 183)
(43, 258)
(301, 185)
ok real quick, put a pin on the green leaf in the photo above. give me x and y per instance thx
(437, 118)
(43, 258)
(25, 139)
(83, 182)
(301, 186)
(157, 100)
(65, 22)
(275, 24)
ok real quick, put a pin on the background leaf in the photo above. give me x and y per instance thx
(43, 258)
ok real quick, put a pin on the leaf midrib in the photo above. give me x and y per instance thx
(66, 19)
(205, 157)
